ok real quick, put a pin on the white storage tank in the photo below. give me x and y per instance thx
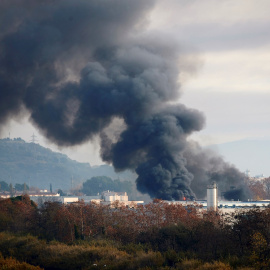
(212, 197)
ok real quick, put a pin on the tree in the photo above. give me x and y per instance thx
(4, 186)
(61, 192)
(99, 184)
(56, 222)
(18, 214)
(21, 187)
(260, 251)
(257, 189)
(266, 183)
(122, 186)
(96, 185)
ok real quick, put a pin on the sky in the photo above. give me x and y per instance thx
(225, 74)
(232, 85)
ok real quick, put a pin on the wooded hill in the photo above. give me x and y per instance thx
(30, 163)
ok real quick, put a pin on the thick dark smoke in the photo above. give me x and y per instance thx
(206, 167)
(235, 194)
(76, 66)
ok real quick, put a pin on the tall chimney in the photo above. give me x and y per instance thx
(212, 193)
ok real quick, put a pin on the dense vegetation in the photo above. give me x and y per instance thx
(154, 236)
(4, 186)
(96, 185)
(37, 166)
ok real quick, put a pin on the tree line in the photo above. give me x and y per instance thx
(260, 189)
(97, 184)
(4, 186)
(158, 235)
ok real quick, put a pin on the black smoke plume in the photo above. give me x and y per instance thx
(206, 167)
(76, 66)
(235, 194)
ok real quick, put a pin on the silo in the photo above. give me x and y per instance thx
(212, 195)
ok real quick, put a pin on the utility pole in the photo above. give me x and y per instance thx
(72, 182)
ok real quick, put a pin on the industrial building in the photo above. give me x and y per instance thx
(213, 204)
(106, 198)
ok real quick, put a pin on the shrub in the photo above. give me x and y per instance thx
(13, 264)
(199, 265)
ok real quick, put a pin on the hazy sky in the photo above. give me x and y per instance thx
(232, 86)
(226, 67)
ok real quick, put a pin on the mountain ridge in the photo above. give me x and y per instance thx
(35, 165)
